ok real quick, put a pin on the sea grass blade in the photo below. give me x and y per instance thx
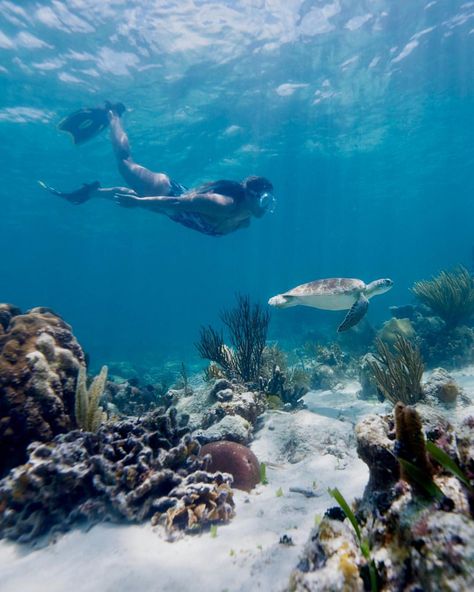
(421, 479)
(263, 474)
(374, 585)
(447, 463)
(364, 544)
(337, 495)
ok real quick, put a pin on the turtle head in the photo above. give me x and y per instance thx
(282, 301)
(379, 287)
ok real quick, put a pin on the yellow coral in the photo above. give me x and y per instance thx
(89, 414)
(274, 402)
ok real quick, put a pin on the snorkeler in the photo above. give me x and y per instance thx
(216, 208)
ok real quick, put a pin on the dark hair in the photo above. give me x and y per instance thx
(257, 184)
(224, 187)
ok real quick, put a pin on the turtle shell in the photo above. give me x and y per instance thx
(328, 287)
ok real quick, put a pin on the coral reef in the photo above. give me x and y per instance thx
(366, 378)
(441, 388)
(396, 326)
(233, 458)
(417, 541)
(331, 366)
(453, 348)
(439, 343)
(289, 386)
(226, 411)
(376, 447)
(39, 362)
(231, 427)
(330, 561)
(450, 295)
(358, 340)
(247, 325)
(129, 470)
(133, 398)
(398, 374)
(278, 381)
(326, 365)
(465, 449)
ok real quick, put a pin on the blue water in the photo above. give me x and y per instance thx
(360, 112)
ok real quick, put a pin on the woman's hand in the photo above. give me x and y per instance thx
(126, 199)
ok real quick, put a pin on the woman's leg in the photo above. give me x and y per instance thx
(141, 179)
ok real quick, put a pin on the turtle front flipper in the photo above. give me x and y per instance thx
(355, 314)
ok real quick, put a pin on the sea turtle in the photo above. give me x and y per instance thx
(334, 294)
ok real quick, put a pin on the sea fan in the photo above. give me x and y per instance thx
(450, 295)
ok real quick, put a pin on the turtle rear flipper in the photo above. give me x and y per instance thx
(355, 314)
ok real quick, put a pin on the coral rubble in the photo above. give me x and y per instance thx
(39, 362)
(129, 470)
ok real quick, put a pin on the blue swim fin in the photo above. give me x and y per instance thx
(85, 124)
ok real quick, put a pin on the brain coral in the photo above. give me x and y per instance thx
(236, 459)
(39, 361)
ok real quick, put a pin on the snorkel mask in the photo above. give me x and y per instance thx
(262, 191)
(267, 202)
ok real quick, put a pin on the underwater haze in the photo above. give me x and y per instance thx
(360, 112)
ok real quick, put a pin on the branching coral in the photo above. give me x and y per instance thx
(450, 295)
(398, 375)
(247, 325)
(130, 470)
(89, 414)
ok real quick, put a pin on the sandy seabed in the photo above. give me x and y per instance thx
(311, 449)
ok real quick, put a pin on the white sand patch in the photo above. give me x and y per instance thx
(314, 445)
